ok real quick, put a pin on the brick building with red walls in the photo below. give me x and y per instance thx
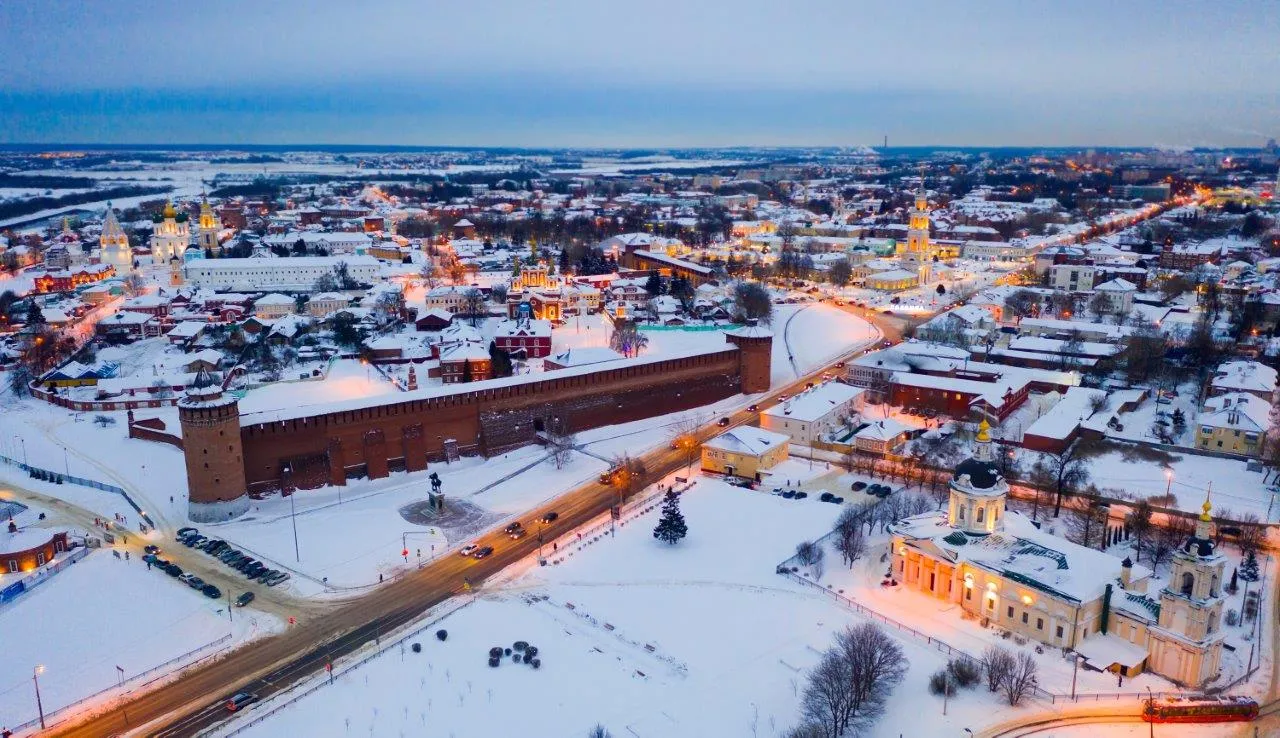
(27, 550)
(304, 449)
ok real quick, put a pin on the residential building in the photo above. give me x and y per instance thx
(745, 452)
(267, 274)
(814, 413)
(1236, 422)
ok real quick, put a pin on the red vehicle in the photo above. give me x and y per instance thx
(1226, 709)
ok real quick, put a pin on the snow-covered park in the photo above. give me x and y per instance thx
(700, 638)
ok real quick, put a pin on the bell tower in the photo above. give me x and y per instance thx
(978, 489)
(1191, 608)
(207, 229)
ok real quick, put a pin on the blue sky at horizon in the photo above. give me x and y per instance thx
(660, 73)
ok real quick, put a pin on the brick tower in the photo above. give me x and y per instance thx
(211, 444)
(755, 359)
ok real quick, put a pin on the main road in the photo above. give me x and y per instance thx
(192, 702)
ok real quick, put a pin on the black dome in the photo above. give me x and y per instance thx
(982, 474)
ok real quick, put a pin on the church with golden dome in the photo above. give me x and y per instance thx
(170, 236)
(1002, 570)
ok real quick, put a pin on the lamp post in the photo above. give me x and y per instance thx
(1168, 487)
(1075, 668)
(35, 677)
(293, 518)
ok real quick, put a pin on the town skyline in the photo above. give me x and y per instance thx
(1140, 74)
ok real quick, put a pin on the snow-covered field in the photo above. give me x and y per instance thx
(697, 639)
(100, 613)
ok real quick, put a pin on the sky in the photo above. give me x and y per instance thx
(655, 73)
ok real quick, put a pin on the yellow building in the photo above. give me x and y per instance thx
(1234, 423)
(745, 452)
(1004, 571)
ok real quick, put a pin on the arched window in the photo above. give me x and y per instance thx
(960, 513)
(981, 513)
(1188, 583)
(1213, 586)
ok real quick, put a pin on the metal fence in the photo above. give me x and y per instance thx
(63, 478)
(137, 681)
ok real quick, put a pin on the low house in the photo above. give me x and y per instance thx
(434, 320)
(882, 437)
(186, 332)
(274, 305)
(1257, 379)
(745, 452)
(1234, 423)
(465, 362)
(814, 413)
(327, 302)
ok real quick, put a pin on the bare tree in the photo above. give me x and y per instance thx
(684, 438)
(1087, 519)
(1065, 472)
(1252, 534)
(828, 702)
(850, 541)
(810, 554)
(1021, 679)
(1139, 522)
(875, 663)
(599, 731)
(997, 663)
(474, 305)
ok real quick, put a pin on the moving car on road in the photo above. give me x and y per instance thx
(468, 549)
(480, 553)
(240, 700)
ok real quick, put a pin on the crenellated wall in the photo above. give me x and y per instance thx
(331, 447)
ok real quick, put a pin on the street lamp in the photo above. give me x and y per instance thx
(1168, 487)
(35, 677)
(1151, 700)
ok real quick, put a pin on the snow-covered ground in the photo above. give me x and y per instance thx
(697, 639)
(100, 613)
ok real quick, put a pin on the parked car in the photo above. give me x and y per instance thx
(211, 592)
(480, 553)
(244, 599)
(550, 517)
(184, 532)
(174, 571)
(275, 577)
(858, 486)
(195, 583)
(151, 549)
(468, 549)
(240, 699)
(186, 578)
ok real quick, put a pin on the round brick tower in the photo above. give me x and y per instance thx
(755, 356)
(211, 444)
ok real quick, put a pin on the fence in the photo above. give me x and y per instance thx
(950, 650)
(137, 681)
(302, 689)
(60, 478)
(40, 576)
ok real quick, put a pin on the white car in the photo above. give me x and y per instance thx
(468, 549)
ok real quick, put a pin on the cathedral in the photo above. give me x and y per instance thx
(171, 235)
(1002, 570)
(207, 229)
(113, 244)
(915, 257)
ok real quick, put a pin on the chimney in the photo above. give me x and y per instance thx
(1126, 573)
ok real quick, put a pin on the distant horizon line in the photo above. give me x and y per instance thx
(380, 148)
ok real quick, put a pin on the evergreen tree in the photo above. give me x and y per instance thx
(1235, 581)
(1249, 569)
(466, 370)
(671, 526)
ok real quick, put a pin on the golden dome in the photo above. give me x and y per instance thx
(1207, 506)
(984, 431)
(169, 211)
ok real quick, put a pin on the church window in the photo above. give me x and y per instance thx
(1039, 623)
(1059, 632)
(1025, 617)
(981, 511)
(960, 514)
(1188, 583)
(1010, 610)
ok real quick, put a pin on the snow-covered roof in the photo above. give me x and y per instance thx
(275, 298)
(815, 403)
(747, 439)
(883, 430)
(1102, 650)
(1236, 410)
(1249, 376)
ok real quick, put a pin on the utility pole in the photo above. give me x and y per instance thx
(35, 677)
(293, 519)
